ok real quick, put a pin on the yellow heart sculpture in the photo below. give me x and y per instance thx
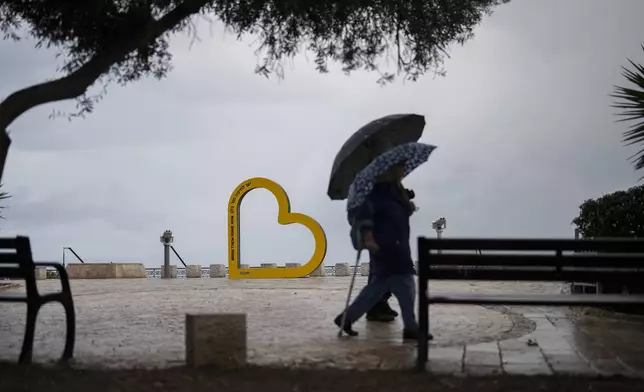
(284, 217)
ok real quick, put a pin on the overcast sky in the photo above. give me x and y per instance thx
(522, 120)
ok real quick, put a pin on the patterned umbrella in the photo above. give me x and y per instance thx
(413, 154)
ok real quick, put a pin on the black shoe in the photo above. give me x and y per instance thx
(381, 312)
(380, 317)
(347, 326)
(386, 309)
(413, 335)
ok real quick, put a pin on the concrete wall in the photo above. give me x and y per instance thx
(342, 269)
(106, 271)
(193, 271)
(319, 271)
(41, 273)
(174, 271)
(217, 271)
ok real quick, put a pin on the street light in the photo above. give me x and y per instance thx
(439, 225)
(74, 253)
(166, 240)
(64, 249)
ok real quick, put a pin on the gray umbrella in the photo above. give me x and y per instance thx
(367, 143)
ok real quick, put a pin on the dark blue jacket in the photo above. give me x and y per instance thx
(386, 213)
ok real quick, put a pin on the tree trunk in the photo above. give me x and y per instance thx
(76, 83)
(5, 142)
(68, 87)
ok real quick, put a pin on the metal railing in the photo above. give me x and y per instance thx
(155, 272)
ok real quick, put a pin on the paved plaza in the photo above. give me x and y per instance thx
(140, 323)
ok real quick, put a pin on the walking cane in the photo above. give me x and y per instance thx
(353, 279)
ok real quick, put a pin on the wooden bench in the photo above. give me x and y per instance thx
(16, 263)
(620, 261)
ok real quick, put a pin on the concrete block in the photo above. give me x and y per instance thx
(342, 269)
(269, 265)
(174, 271)
(129, 270)
(41, 273)
(106, 271)
(193, 271)
(216, 340)
(217, 271)
(89, 271)
(318, 272)
(364, 269)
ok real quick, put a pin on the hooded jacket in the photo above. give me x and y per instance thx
(386, 213)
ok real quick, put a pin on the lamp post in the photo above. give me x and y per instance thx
(439, 225)
(166, 240)
(74, 253)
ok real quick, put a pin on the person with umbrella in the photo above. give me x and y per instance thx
(359, 151)
(381, 311)
(381, 209)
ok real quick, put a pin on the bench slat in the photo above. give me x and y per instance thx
(628, 245)
(13, 297)
(533, 275)
(8, 258)
(13, 273)
(8, 243)
(537, 299)
(574, 260)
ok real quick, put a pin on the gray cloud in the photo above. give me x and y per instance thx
(522, 120)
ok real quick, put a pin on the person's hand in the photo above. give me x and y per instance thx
(370, 243)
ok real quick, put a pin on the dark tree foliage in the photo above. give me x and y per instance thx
(631, 101)
(122, 41)
(619, 214)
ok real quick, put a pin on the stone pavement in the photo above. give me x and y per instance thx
(140, 323)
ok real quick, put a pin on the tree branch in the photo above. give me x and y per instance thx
(76, 83)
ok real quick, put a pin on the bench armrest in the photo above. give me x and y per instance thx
(62, 274)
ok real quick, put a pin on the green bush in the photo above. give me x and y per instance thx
(618, 214)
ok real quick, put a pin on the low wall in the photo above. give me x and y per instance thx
(221, 270)
(106, 271)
